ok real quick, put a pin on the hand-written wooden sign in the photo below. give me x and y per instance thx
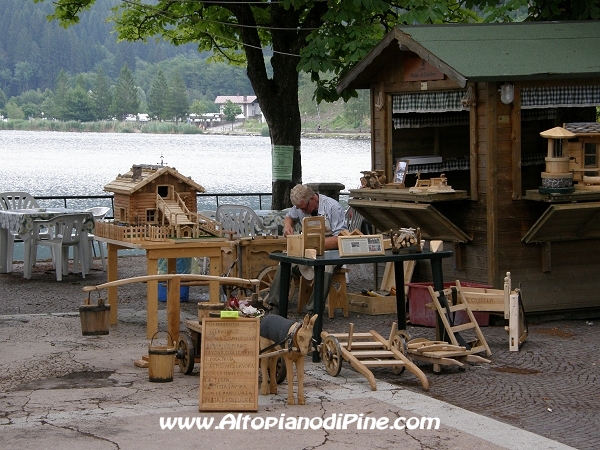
(229, 364)
(417, 69)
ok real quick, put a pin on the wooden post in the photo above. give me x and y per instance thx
(491, 188)
(515, 136)
(513, 324)
(173, 307)
(112, 275)
(152, 299)
(546, 257)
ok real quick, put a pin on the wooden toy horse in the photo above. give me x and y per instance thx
(292, 341)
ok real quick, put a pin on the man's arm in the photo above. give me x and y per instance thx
(288, 225)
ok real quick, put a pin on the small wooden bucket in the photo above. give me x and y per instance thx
(206, 310)
(161, 360)
(95, 319)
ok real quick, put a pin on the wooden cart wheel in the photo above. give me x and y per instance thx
(280, 370)
(266, 277)
(399, 343)
(186, 354)
(331, 355)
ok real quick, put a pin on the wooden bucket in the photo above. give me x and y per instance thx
(206, 310)
(95, 319)
(161, 360)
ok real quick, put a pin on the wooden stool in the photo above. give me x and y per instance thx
(336, 298)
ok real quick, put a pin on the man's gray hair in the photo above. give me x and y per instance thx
(299, 193)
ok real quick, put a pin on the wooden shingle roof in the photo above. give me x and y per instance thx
(128, 183)
(584, 128)
(490, 52)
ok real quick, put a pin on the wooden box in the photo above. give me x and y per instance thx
(365, 304)
(295, 245)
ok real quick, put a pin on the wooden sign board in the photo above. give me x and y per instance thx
(417, 69)
(229, 364)
(367, 244)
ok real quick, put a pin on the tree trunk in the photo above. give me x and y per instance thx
(278, 94)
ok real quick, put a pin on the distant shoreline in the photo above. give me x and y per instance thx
(157, 128)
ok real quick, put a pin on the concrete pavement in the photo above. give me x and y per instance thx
(60, 389)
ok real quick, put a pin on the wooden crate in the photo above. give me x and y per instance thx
(372, 306)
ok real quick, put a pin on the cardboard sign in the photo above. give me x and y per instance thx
(229, 364)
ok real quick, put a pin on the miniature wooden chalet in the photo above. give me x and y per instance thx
(155, 202)
(479, 97)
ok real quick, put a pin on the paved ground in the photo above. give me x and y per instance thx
(550, 387)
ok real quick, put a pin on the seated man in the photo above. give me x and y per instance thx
(307, 203)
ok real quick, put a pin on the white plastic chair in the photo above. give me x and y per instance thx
(66, 231)
(15, 200)
(242, 221)
(99, 212)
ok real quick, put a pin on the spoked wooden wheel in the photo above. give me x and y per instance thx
(331, 355)
(186, 354)
(266, 277)
(280, 370)
(399, 343)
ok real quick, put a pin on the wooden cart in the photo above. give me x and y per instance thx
(249, 258)
(365, 350)
(188, 351)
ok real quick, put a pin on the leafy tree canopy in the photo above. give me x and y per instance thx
(230, 110)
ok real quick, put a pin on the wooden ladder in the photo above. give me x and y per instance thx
(461, 305)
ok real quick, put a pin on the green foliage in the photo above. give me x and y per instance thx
(178, 104)
(112, 126)
(157, 98)
(204, 106)
(13, 111)
(102, 95)
(230, 110)
(79, 106)
(126, 99)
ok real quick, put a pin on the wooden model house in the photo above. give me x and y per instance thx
(479, 96)
(160, 200)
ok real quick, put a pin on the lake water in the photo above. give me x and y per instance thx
(53, 163)
(68, 164)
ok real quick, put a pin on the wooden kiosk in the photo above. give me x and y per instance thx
(477, 96)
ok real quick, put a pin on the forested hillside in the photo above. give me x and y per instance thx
(83, 73)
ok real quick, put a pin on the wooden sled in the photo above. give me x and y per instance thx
(365, 350)
(441, 353)
(452, 353)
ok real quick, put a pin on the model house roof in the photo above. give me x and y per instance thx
(490, 52)
(237, 99)
(142, 174)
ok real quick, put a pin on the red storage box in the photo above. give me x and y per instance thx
(418, 297)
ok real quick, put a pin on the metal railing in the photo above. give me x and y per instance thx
(208, 202)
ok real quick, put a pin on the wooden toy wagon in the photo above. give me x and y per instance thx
(366, 350)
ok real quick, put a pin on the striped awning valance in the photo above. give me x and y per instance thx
(560, 96)
(430, 120)
(424, 102)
